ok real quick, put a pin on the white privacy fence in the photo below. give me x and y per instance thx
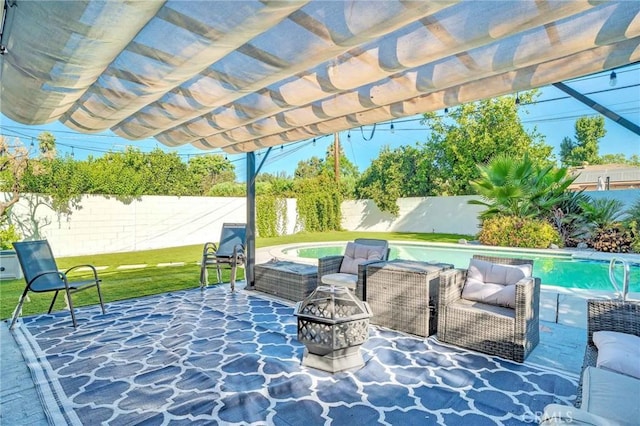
(107, 225)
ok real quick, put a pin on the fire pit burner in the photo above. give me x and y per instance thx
(332, 323)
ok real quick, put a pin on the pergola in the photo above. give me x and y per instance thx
(245, 75)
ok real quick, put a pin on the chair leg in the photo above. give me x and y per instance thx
(73, 315)
(18, 310)
(100, 297)
(204, 275)
(55, 296)
(219, 273)
(233, 276)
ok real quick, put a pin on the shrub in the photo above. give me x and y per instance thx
(512, 231)
(270, 215)
(7, 236)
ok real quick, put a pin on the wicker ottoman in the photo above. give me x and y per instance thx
(289, 280)
(403, 295)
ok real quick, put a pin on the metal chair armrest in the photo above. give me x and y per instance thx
(73, 268)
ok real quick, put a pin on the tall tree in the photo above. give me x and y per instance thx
(209, 170)
(47, 143)
(14, 160)
(584, 148)
(475, 133)
(446, 163)
(403, 172)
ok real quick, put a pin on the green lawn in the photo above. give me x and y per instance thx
(132, 283)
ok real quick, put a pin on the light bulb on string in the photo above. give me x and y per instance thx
(613, 79)
(392, 128)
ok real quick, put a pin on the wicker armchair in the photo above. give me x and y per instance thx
(496, 330)
(607, 315)
(329, 267)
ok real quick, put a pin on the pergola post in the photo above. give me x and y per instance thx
(251, 220)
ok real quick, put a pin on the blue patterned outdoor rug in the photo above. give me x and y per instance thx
(216, 357)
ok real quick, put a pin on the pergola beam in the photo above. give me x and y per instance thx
(598, 107)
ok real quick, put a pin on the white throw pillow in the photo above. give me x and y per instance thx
(356, 254)
(493, 283)
(619, 352)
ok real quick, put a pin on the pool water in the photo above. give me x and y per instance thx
(553, 270)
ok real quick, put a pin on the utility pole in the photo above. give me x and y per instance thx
(336, 155)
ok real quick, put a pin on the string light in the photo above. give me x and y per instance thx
(517, 98)
(613, 79)
(446, 110)
(392, 128)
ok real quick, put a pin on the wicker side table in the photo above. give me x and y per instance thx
(403, 295)
(289, 280)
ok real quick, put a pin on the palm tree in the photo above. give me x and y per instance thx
(517, 187)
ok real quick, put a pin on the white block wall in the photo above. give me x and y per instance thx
(451, 215)
(106, 225)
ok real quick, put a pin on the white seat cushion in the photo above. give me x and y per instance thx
(619, 352)
(340, 280)
(493, 283)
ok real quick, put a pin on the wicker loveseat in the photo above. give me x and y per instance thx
(511, 333)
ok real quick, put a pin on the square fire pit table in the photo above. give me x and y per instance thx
(403, 295)
(289, 280)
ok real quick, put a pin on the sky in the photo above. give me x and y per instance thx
(553, 116)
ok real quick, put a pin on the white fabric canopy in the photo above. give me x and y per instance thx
(242, 75)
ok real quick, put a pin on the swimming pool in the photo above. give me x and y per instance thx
(556, 269)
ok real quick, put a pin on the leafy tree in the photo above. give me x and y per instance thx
(633, 160)
(274, 184)
(584, 147)
(209, 170)
(47, 143)
(475, 133)
(45, 175)
(133, 173)
(404, 172)
(165, 174)
(230, 189)
(14, 161)
(60, 178)
(446, 163)
(312, 167)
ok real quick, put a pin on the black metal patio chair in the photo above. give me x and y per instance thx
(42, 275)
(228, 252)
